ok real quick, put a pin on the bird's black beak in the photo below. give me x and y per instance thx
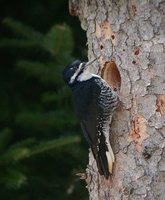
(90, 62)
(83, 65)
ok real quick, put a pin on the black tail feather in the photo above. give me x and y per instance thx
(101, 161)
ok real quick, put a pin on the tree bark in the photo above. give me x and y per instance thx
(129, 35)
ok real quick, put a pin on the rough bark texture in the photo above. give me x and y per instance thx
(131, 34)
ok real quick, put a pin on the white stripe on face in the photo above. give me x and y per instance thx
(72, 79)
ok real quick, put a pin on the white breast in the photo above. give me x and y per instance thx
(86, 76)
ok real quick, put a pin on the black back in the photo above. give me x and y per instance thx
(86, 96)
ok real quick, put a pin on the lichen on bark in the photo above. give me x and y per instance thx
(131, 34)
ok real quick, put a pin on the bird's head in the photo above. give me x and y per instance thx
(74, 70)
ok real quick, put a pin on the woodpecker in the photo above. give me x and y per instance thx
(94, 101)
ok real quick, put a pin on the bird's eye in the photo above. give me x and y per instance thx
(73, 68)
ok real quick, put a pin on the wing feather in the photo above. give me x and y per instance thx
(88, 110)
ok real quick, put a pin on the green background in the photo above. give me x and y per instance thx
(41, 144)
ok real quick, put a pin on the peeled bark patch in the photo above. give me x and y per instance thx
(107, 31)
(161, 104)
(134, 10)
(104, 30)
(139, 131)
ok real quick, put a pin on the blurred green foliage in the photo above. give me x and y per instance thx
(40, 143)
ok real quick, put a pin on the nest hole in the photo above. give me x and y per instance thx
(113, 37)
(101, 47)
(111, 74)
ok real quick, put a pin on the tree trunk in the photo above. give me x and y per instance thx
(129, 35)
